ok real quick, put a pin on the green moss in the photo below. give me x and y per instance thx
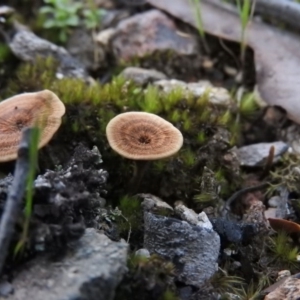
(224, 283)
(32, 77)
(284, 252)
(5, 53)
(188, 157)
(130, 208)
(248, 106)
(286, 174)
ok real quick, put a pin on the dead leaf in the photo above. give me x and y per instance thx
(277, 55)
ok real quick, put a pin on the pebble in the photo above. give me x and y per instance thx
(144, 253)
(192, 217)
(216, 95)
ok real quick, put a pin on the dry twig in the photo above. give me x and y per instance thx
(15, 196)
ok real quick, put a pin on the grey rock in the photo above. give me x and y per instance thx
(142, 76)
(27, 47)
(91, 271)
(256, 154)
(82, 46)
(148, 32)
(234, 231)
(216, 95)
(193, 250)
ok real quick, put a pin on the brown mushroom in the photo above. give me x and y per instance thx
(279, 224)
(143, 136)
(42, 109)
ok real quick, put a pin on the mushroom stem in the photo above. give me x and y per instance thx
(140, 167)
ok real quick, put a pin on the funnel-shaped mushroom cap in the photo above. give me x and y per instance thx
(42, 109)
(143, 136)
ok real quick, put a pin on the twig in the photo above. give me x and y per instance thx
(269, 162)
(239, 193)
(129, 231)
(15, 196)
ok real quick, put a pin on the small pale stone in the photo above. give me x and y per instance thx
(104, 37)
(270, 212)
(228, 251)
(216, 95)
(230, 70)
(154, 204)
(274, 201)
(186, 214)
(204, 221)
(144, 253)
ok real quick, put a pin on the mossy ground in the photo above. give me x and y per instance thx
(209, 132)
(90, 107)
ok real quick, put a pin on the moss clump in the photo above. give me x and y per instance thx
(286, 175)
(130, 219)
(283, 251)
(90, 107)
(248, 106)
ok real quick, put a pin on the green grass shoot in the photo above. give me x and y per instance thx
(245, 10)
(33, 155)
(196, 5)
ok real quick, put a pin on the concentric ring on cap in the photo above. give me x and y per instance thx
(42, 109)
(143, 136)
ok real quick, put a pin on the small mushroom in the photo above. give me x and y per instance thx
(42, 109)
(279, 224)
(142, 136)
